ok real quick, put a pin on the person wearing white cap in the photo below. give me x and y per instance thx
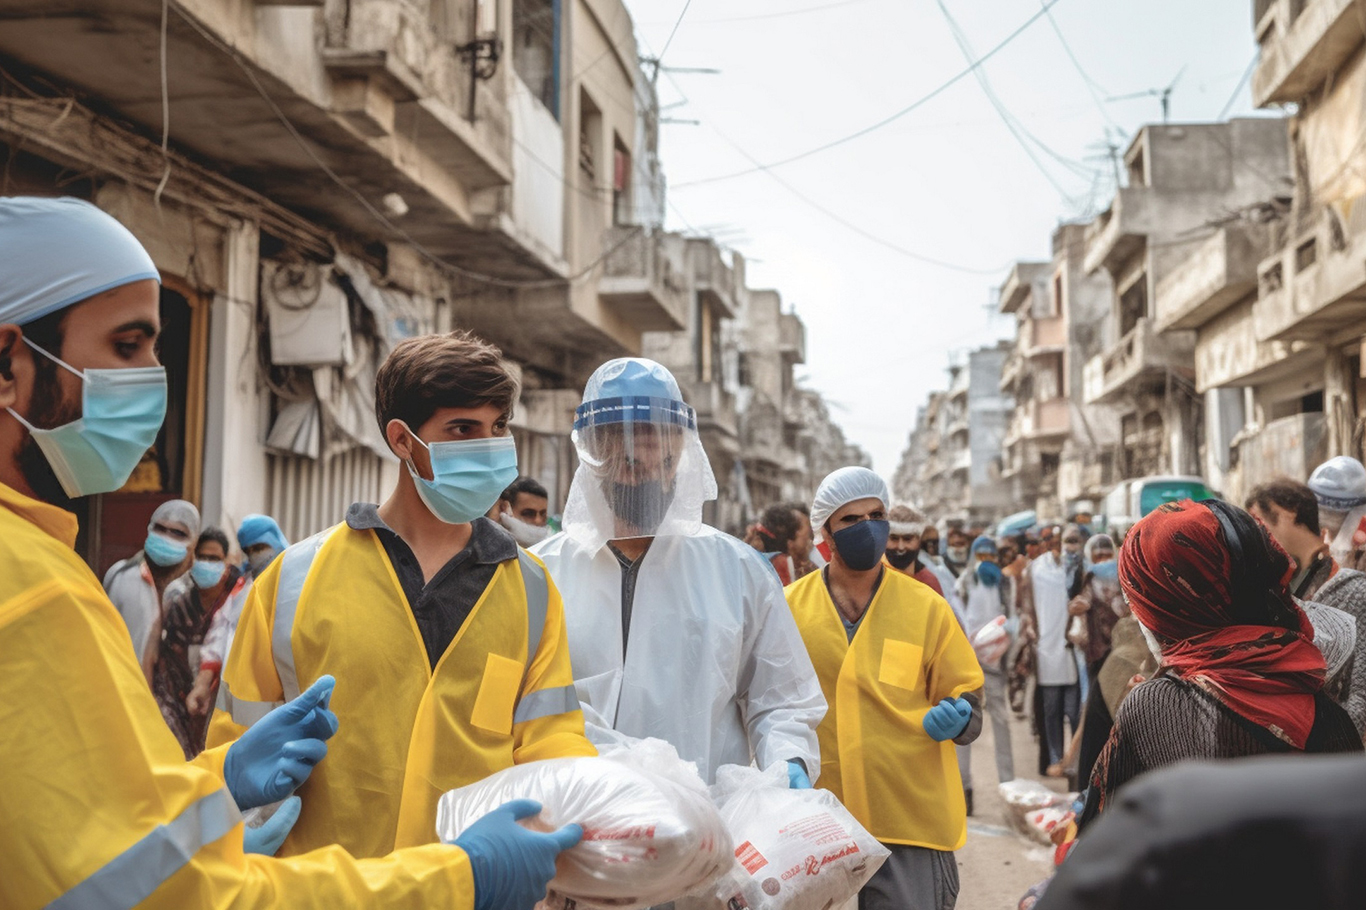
(902, 683)
(135, 585)
(677, 631)
(1339, 485)
(101, 808)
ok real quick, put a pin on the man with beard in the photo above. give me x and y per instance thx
(676, 630)
(101, 808)
(137, 584)
(903, 546)
(957, 557)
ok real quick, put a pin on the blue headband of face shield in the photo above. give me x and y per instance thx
(603, 411)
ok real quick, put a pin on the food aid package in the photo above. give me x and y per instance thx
(991, 642)
(650, 830)
(794, 849)
(1034, 810)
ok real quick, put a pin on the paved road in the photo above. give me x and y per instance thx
(997, 865)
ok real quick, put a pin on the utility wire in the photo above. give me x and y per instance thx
(1238, 89)
(1093, 88)
(783, 14)
(1016, 129)
(873, 127)
(659, 60)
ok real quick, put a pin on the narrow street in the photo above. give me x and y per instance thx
(997, 865)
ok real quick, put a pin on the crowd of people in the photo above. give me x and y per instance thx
(335, 688)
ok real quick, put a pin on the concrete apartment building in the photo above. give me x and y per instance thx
(1058, 450)
(1183, 180)
(952, 466)
(338, 175)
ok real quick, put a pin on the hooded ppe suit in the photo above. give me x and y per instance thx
(701, 650)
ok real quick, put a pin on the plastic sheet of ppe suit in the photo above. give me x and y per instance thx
(642, 469)
(794, 849)
(651, 832)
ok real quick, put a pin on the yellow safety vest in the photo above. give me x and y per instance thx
(99, 807)
(501, 694)
(907, 655)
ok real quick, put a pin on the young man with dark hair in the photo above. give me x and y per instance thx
(524, 510)
(134, 823)
(451, 638)
(1290, 512)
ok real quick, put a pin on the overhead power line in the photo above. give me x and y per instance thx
(659, 60)
(892, 118)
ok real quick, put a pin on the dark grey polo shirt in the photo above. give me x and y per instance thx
(441, 605)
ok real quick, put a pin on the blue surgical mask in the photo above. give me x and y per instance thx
(206, 573)
(989, 574)
(1106, 571)
(121, 414)
(861, 545)
(163, 551)
(468, 476)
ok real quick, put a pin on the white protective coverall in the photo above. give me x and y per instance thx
(713, 662)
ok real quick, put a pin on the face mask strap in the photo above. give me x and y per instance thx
(55, 359)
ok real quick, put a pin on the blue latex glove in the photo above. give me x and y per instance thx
(948, 718)
(513, 865)
(278, 752)
(796, 777)
(266, 839)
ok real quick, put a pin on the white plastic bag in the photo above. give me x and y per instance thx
(1034, 810)
(794, 849)
(991, 642)
(651, 832)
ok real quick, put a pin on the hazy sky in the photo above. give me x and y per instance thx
(948, 181)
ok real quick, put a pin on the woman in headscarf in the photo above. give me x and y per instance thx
(1239, 674)
(188, 609)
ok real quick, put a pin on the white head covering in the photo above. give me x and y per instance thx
(642, 469)
(843, 487)
(57, 252)
(178, 513)
(1339, 484)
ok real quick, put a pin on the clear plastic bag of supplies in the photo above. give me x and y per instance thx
(651, 831)
(1034, 810)
(794, 849)
(991, 642)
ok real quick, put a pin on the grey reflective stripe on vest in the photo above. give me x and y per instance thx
(546, 703)
(130, 878)
(537, 602)
(244, 713)
(294, 566)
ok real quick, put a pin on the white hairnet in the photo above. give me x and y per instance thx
(177, 512)
(57, 252)
(907, 519)
(642, 469)
(843, 487)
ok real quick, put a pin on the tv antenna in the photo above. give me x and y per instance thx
(1163, 94)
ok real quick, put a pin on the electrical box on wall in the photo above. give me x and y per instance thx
(310, 320)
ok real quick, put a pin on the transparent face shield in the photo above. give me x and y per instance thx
(642, 471)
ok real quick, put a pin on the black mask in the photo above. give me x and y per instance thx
(642, 505)
(902, 560)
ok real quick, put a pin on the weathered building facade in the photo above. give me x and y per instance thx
(319, 180)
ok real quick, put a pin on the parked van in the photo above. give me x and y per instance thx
(1132, 499)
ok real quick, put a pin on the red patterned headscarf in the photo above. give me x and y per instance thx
(1224, 606)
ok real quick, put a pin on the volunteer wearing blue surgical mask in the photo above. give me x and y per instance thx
(983, 591)
(189, 608)
(137, 584)
(451, 639)
(900, 679)
(677, 631)
(261, 541)
(75, 283)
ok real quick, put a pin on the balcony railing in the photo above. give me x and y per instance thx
(1140, 357)
(642, 281)
(1301, 52)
